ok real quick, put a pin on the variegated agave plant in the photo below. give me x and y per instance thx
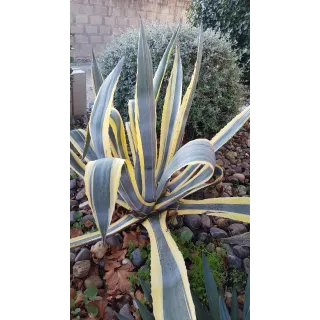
(150, 182)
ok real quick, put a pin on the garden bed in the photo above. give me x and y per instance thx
(127, 258)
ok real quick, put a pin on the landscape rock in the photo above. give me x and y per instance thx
(241, 240)
(73, 203)
(227, 247)
(211, 247)
(136, 258)
(239, 191)
(184, 229)
(125, 311)
(193, 221)
(84, 254)
(206, 222)
(72, 258)
(240, 177)
(222, 223)
(81, 268)
(176, 222)
(237, 228)
(88, 217)
(81, 194)
(220, 162)
(73, 184)
(246, 263)
(113, 241)
(241, 252)
(234, 261)
(93, 280)
(203, 237)
(217, 233)
(71, 217)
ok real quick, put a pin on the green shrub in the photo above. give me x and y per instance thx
(218, 95)
(232, 17)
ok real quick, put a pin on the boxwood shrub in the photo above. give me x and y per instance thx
(219, 92)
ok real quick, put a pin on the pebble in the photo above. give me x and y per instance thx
(193, 221)
(240, 191)
(222, 223)
(72, 258)
(71, 216)
(125, 311)
(93, 280)
(113, 241)
(203, 237)
(136, 258)
(73, 203)
(211, 247)
(84, 254)
(234, 261)
(227, 247)
(237, 228)
(246, 263)
(217, 233)
(240, 177)
(81, 194)
(73, 184)
(81, 268)
(88, 217)
(220, 162)
(245, 165)
(186, 229)
(238, 169)
(206, 222)
(241, 240)
(241, 252)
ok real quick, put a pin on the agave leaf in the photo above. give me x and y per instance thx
(201, 310)
(100, 115)
(77, 138)
(181, 120)
(145, 119)
(226, 133)
(97, 78)
(170, 287)
(211, 289)
(115, 227)
(146, 290)
(145, 313)
(162, 67)
(224, 313)
(170, 111)
(76, 164)
(246, 307)
(87, 142)
(121, 317)
(234, 305)
(102, 178)
(237, 208)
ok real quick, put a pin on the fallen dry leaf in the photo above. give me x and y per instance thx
(75, 232)
(98, 251)
(79, 299)
(130, 236)
(111, 265)
(73, 293)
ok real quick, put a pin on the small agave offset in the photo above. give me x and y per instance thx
(149, 181)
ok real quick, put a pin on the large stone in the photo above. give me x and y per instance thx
(234, 261)
(73, 184)
(217, 233)
(84, 254)
(125, 311)
(246, 263)
(202, 237)
(184, 229)
(227, 247)
(136, 258)
(81, 268)
(241, 240)
(206, 222)
(176, 222)
(241, 252)
(222, 223)
(72, 258)
(237, 228)
(113, 241)
(93, 280)
(193, 221)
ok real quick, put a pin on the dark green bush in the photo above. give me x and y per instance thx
(219, 92)
(230, 16)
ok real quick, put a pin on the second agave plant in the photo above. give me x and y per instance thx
(122, 163)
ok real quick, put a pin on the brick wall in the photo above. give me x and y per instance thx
(95, 22)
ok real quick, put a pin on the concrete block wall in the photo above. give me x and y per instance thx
(95, 22)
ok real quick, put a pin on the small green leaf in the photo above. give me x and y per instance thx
(72, 303)
(77, 215)
(91, 292)
(85, 299)
(92, 310)
(186, 235)
(76, 311)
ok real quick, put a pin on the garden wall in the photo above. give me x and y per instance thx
(95, 22)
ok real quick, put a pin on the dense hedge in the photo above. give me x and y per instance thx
(230, 16)
(219, 92)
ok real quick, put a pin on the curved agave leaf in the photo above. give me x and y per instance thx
(146, 290)
(226, 133)
(237, 208)
(115, 227)
(100, 115)
(224, 313)
(102, 178)
(97, 78)
(162, 67)
(77, 138)
(170, 288)
(211, 289)
(145, 119)
(181, 120)
(120, 317)
(145, 313)
(246, 307)
(170, 111)
(76, 164)
(201, 310)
